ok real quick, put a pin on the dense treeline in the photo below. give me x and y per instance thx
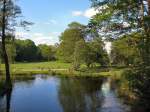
(27, 51)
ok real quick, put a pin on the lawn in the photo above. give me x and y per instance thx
(56, 67)
(37, 67)
(40, 65)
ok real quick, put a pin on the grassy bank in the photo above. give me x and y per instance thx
(40, 65)
(57, 68)
(36, 68)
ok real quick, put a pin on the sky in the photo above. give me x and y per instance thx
(51, 17)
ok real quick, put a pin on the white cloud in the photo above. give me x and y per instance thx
(39, 38)
(90, 12)
(45, 40)
(87, 13)
(22, 35)
(37, 34)
(77, 13)
(52, 21)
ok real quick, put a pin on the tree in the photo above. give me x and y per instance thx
(26, 50)
(68, 40)
(8, 12)
(90, 52)
(125, 50)
(121, 17)
(47, 52)
(81, 54)
(97, 47)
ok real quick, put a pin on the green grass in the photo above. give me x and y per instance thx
(41, 65)
(38, 66)
(57, 68)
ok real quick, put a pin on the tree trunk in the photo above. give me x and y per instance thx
(148, 29)
(148, 1)
(5, 56)
(8, 100)
(142, 14)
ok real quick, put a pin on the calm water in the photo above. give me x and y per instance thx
(51, 94)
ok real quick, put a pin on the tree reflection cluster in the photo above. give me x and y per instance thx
(80, 95)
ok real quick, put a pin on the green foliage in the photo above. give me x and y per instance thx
(10, 47)
(11, 51)
(98, 52)
(68, 40)
(132, 41)
(114, 14)
(75, 48)
(81, 54)
(90, 52)
(47, 52)
(26, 50)
(125, 50)
(139, 82)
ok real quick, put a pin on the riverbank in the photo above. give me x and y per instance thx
(58, 68)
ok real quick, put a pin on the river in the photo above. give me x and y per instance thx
(54, 94)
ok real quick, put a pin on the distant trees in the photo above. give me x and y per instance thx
(26, 50)
(47, 52)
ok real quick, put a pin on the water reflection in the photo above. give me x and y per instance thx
(51, 94)
(5, 101)
(111, 102)
(80, 95)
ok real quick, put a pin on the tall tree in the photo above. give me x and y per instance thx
(68, 40)
(8, 13)
(81, 54)
(148, 7)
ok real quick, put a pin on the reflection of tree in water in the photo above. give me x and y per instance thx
(5, 100)
(5, 97)
(80, 95)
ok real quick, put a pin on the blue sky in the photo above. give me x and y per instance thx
(51, 17)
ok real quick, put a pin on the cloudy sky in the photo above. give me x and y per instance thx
(51, 17)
